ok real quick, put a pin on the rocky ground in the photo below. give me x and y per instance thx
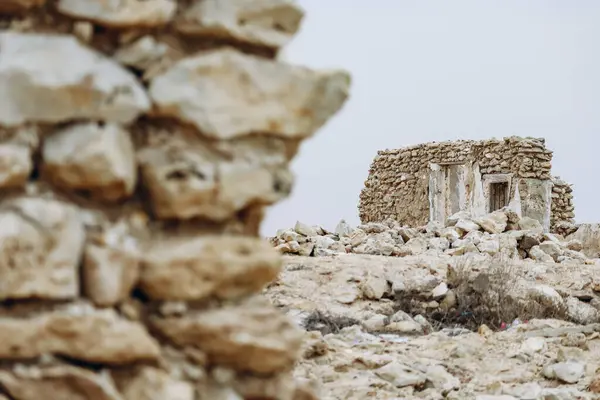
(496, 324)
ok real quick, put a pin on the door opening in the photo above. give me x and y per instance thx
(498, 195)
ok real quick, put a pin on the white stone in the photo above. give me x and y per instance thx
(15, 164)
(343, 229)
(270, 23)
(400, 375)
(41, 82)
(41, 243)
(305, 229)
(142, 53)
(122, 13)
(494, 222)
(568, 372)
(467, 225)
(93, 157)
(227, 94)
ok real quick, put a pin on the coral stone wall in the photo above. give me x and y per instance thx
(397, 185)
(563, 208)
(140, 142)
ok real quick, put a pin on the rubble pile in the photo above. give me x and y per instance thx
(390, 327)
(500, 232)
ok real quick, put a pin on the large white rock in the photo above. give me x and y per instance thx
(226, 94)
(188, 178)
(270, 23)
(92, 157)
(122, 13)
(53, 78)
(41, 243)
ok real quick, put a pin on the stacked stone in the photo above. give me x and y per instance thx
(563, 209)
(140, 142)
(533, 160)
(397, 184)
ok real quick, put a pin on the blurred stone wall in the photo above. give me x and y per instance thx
(140, 142)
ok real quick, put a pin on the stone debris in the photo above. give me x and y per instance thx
(399, 334)
(141, 142)
(492, 234)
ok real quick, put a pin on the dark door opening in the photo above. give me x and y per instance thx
(498, 195)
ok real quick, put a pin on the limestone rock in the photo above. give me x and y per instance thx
(41, 242)
(530, 224)
(90, 157)
(41, 83)
(198, 268)
(227, 94)
(552, 249)
(251, 336)
(374, 287)
(142, 53)
(111, 269)
(494, 222)
(270, 23)
(121, 14)
(536, 253)
(466, 225)
(15, 165)
(305, 229)
(400, 375)
(60, 382)
(153, 384)
(568, 372)
(343, 229)
(188, 179)
(80, 333)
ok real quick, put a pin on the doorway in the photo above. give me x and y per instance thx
(498, 196)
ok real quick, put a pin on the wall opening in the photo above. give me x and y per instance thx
(499, 192)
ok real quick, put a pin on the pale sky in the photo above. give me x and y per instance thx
(434, 70)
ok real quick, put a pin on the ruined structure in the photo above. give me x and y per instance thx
(432, 181)
(140, 142)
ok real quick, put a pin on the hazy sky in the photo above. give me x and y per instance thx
(433, 70)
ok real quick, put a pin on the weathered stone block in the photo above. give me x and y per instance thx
(80, 333)
(188, 179)
(41, 83)
(121, 14)
(226, 94)
(199, 268)
(58, 382)
(40, 249)
(252, 336)
(270, 23)
(94, 158)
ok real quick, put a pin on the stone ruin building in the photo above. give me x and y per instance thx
(141, 141)
(429, 182)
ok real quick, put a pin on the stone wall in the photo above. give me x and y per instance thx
(397, 185)
(563, 209)
(141, 141)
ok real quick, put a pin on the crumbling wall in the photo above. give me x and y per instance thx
(563, 208)
(397, 185)
(141, 141)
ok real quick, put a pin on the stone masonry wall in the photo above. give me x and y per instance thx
(140, 142)
(563, 208)
(398, 179)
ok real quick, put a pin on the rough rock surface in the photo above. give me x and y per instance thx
(140, 144)
(426, 336)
